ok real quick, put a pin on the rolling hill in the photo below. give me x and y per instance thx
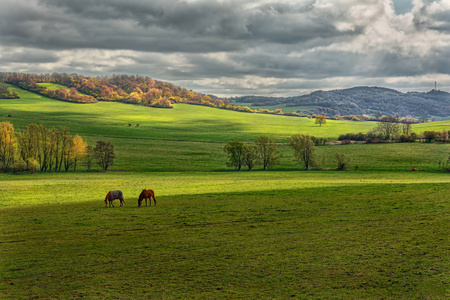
(359, 101)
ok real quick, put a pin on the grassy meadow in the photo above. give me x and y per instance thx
(378, 231)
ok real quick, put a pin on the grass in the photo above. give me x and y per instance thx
(228, 235)
(377, 233)
(55, 87)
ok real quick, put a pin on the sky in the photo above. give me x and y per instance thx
(231, 47)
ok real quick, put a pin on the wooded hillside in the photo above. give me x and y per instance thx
(361, 100)
(123, 88)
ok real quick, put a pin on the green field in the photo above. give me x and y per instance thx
(378, 232)
(54, 86)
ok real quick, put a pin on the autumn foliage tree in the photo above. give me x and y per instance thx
(8, 145)
(321, 119)
(39, 148)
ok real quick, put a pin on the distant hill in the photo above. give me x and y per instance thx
(359, 101)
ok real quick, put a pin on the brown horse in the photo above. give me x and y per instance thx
(113, 195)
(146, 194)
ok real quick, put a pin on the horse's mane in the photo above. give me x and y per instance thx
(108, 195)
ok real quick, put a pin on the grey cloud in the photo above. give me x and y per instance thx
(28, 55)
(163, 26)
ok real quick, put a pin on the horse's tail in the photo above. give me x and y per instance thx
(152, 193)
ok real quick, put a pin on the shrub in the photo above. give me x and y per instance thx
(33, 165)
(19, 166)
(319, 141)
(405, 138)
(342, 160)
(346, 142)
(430, 136)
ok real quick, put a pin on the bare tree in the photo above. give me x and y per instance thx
(389, 128)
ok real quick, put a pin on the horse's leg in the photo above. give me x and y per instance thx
(154, 200)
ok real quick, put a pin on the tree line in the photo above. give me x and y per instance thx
(38, 148)
(391, 129)
(264, 152)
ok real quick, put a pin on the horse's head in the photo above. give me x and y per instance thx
(107, 197)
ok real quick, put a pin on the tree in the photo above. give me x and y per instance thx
(44, 147)
(321, 119)
(267, 151)
(88, 160)
(388, 128)
(406, 126)
(236, 154)
(377, 114)
(342, 161)
(104, 153)
(304, 150)
(250, 156)
(445, 136)
(430, 136)
(8, 144)
(63, 151)
(78, 150)
(423, 119)
(28, 141)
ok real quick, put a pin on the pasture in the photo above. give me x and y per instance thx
(224, 235)
(376, 232)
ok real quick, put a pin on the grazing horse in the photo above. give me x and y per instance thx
(113, 195)
(146, 194)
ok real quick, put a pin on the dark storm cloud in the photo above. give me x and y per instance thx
(230, 46)
(161, 26)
